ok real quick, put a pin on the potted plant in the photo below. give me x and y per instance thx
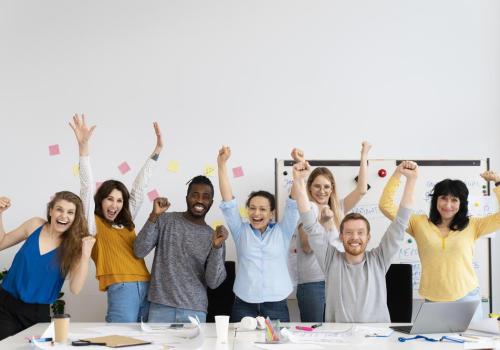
(58, 306)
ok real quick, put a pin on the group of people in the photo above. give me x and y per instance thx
(338, 279)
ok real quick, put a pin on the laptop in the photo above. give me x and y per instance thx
(441, 317)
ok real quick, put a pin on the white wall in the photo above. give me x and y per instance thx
(418, 79)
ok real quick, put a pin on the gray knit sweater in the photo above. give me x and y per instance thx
(184, 263)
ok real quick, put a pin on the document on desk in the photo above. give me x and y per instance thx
(350, 336)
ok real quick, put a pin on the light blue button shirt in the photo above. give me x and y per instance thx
(262, 273)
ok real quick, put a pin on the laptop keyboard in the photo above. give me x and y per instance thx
(402, 329)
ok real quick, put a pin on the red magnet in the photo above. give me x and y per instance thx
(382, 173)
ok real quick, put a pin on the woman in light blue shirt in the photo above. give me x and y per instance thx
(262, 280)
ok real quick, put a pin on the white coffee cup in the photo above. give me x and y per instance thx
(248, 323)
(222, 328)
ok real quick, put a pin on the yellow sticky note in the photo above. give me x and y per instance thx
(244, 212)
(477, 204)
(173, 166)
(75, 170)
(216, 223)
(209, 170)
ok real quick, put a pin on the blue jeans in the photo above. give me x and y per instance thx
(276, 310)
(128, 302)
(311, 300)
(167, 314)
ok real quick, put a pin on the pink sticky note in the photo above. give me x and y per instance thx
(238, 172)
(54, 150)
(152, 195)
(124, 168)
(97, 185)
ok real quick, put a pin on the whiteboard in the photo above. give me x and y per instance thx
(430, 172)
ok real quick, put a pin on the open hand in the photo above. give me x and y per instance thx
(81, 130)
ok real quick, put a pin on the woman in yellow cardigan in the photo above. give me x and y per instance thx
(446, 238)
(110, 215)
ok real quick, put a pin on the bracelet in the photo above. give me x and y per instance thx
(155, 156)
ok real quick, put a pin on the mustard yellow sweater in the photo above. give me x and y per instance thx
(447, 271)
(114, 258)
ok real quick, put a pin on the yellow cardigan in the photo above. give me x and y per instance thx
(114, 258)
(447, 271)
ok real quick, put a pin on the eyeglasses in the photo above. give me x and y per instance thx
(444, 338)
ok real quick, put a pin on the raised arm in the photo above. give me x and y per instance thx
(224, 184)
(489, 223)
(78, 275)
(147, 238)
(393, 237)
(9, 239)
(355, 196)
(215, 271)
(141, 181)
(87, 186)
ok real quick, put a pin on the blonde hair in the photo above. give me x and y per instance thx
(333, 201)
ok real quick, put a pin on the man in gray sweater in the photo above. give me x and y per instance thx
(189, 255)
(355, 279)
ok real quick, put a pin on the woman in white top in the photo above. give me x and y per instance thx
(322, 193)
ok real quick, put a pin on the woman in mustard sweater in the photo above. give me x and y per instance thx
(446, 238)
(121, 274)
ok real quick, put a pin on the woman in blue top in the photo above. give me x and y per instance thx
(54, 248)
(262, 280)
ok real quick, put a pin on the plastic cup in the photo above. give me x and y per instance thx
(222, 328)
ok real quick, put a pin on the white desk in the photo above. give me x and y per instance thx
(237, 340)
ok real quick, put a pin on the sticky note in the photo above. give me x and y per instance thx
(209, 170)
(244, 212)
(75, 170)
(152, 195)
(238, 172)
(97, 185)
(54, 150)
(173, 166)
(216, 223)
(477, 204)
(124, 167)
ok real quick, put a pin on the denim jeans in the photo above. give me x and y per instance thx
(167, 314)
(128, 302)
(276, 310)
(474, 294)
(311, 300)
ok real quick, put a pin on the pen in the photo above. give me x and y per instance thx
(304, 328)
(316, 325)
(40, 339)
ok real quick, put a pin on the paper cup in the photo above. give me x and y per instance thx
(222, 327)
(61, 328)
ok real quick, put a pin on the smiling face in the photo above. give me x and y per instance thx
(112, 204)
(199, 200)
(259, 213)
(448, 206)
(62, 215)
(321, 189)
(355, 236)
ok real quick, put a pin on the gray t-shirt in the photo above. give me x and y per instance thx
(184, 262)
(356, 293)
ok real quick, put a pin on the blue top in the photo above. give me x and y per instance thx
(262, 274)
(34, 278)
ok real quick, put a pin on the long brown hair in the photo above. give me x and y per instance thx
(333, 201)
(71, 246)
(124, 217)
